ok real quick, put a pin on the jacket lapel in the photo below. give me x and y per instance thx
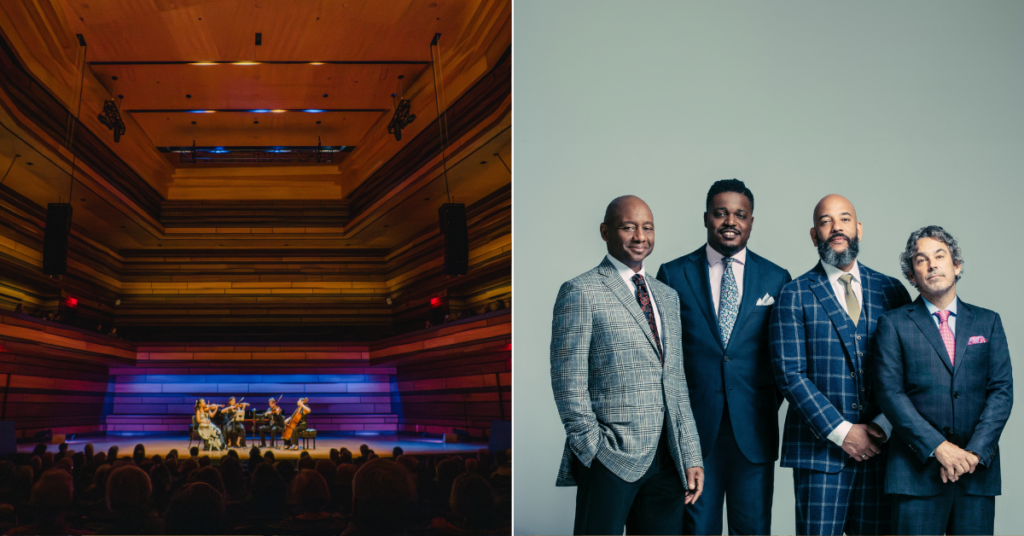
(751, 290)
(700, 283)
(964, 326)
(614, 282)
(822, 290)
(919, 314)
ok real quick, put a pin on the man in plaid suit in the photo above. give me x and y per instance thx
(945, 382)
(617, 375)
(821, 332)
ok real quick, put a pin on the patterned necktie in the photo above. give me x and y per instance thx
(728, 301)
(947, 335)
(645, 305)
(852, 306)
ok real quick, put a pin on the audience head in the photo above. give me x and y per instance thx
(187, 466)
(39, 449)
(327, 469)
(409, 462)
(471, 465)
(364, 448)
(128, 490)
(204, 461)
(268, 457)
(267, 489)
(99, 479)
(139, 453)
(306, 463)
(63, 447)
(209, 475)
(333, 455)
(52, 495)
(311, 492)
(286, 470)
(90, 450)
(196, 509)
(193, 452)
(344, 456)
(100, 458)
(397, 451)
(472, 502)
(383, 495)
(112, 453)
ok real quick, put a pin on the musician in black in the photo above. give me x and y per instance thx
(298, 420)
(273, 423)
(234, 430)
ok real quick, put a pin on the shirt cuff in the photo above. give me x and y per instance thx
(882, 421)
(838, 434)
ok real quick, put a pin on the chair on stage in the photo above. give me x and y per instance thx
(193, 432)
(305, 436)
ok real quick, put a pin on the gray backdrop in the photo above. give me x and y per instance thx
(913, 110)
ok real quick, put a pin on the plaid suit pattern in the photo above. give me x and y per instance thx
(818, 366)
(610, 387)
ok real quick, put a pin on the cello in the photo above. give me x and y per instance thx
(293, 421)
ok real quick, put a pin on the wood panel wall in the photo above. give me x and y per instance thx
(452, 377)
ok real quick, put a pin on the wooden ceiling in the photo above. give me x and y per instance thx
(369, 216)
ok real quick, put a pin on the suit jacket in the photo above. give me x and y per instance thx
(741, 373)
(928, 400)
(610, 387)
(818, 367)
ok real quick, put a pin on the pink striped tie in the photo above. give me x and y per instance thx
(947, 335)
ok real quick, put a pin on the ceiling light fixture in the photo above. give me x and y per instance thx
(402, 117)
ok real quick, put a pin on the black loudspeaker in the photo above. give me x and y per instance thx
(456, 238)
(55, 240)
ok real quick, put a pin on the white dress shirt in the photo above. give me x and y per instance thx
(627, 274)
(716, 268)
(838, 434)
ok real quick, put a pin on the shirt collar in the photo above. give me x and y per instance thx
(932, 309)
(834, 273)
(715, 257)
(626, 272)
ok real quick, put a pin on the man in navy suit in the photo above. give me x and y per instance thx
(821, 332)
(726, 294)
(944, 381)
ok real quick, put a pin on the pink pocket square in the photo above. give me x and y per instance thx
(977, 339)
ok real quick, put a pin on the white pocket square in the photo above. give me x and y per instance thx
(766, 300)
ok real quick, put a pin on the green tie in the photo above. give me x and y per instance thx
(852, 307)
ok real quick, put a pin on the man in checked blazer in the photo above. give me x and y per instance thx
(945, 383)
(617, 375)
(726, 294)
(821, 331)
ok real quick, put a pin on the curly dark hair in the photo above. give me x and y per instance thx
(934, 232)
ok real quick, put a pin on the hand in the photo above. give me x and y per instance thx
(875, 431)
(954, 461)
(694, 484)
(973, 459)
(860, 444)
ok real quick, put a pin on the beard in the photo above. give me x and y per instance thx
(831, 257)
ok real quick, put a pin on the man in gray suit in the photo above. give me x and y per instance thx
(617, 374)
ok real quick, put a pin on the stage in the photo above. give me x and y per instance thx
(161, 444)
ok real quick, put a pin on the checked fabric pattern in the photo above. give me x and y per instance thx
(644, 299)
(947, 335)
(729, 302)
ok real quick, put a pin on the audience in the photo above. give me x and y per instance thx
(101, 493)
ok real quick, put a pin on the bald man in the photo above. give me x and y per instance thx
(617, 374)
(821, 340)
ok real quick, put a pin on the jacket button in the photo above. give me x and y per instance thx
(861, 371)
(858, 337)
(956, 394)
(719, 390)
(860, 407)
(854, 406)
(726, 359)
(853, 375)
(862, 388)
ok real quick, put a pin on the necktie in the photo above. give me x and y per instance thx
(947, 335)
(852, 306)
(728, 302)
(644, 299)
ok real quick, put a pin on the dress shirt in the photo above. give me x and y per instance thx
(627, 274)
(838, 434)
(952, 314)
(716, 268)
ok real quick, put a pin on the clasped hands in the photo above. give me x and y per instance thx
(955, 461)
(864, 441)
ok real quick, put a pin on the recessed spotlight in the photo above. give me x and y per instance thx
(189, 96)
(31, 164)
(120, 96)
(318, 122)
(255, 122)
(385, 226)
(426, 199)
(325, 95)
(483, 162)
(193, 122)
(82, 200)
(113, 78)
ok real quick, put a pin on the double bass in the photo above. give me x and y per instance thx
(293, 421)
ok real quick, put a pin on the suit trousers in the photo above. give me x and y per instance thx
(652, 505)
(950, 512)
(744, 486)
(852, 500)
(273, 430)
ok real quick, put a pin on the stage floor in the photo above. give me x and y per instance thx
(162, 444)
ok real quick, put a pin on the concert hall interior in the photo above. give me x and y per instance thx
(256, 230)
